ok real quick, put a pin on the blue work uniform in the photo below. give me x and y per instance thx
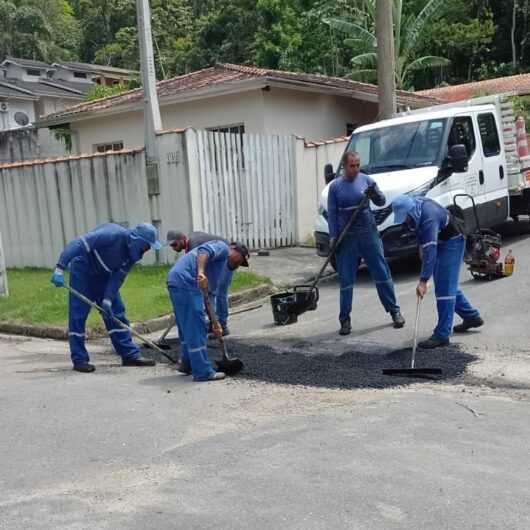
(188, 304)
(361, 241)
(219, 298)
(99, 262)
(443, 249)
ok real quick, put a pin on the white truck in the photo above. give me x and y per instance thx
(438, 152)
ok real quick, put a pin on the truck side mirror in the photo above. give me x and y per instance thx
(458, 158)
(329, 175)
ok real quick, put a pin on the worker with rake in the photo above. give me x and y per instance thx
(442, 244)
(99, 263)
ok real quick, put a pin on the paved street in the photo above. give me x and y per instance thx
(146, 448)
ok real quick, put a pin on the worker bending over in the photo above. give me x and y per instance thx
(442, 246)
(361, 241)
(192, 275)
(99, 263)
(179, 242)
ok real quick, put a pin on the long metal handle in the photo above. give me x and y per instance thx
(416, 327)
(132, 331)
(172, 322)
(214, 321)
(334, 247)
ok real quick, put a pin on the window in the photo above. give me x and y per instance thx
(232, 129)
(489, 135)
(350, 127)
(80, 75)
(398, 147)
(103, 148)
(462, 133)
(33, 72)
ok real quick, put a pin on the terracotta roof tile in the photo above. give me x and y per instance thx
(519, 84)
(229, 73)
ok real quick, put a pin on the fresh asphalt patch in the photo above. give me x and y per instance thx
(352, 369)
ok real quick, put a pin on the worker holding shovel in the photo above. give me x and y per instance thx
(179, 242)
(99, 263)
(362, 239)
(442, 244)
(189, 281)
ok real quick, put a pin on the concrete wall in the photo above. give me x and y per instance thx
(29, 143)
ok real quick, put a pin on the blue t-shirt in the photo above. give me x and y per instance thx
(344, 196)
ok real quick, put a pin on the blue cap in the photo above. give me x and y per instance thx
(401, 206)
(148, 233)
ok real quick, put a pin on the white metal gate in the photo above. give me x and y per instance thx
(248, 187)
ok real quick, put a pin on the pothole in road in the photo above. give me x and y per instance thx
(352, 369)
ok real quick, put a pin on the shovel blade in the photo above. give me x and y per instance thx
(229, 366)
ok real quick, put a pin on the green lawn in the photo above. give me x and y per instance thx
(34, 300)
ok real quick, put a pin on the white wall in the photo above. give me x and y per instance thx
(313, 116)
(16, 72)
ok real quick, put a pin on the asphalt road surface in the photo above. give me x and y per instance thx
(312, 436)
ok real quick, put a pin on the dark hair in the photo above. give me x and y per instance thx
(347, 155)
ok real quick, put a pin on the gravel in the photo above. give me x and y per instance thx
(350, 370)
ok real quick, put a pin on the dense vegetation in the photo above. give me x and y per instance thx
(437, 41)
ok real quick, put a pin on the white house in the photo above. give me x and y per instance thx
(228, 97)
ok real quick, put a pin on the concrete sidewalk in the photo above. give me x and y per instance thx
(289, 266)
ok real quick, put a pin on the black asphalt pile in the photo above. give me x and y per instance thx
(351, 370)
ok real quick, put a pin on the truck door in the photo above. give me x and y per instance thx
(493, 175)
(463, 131)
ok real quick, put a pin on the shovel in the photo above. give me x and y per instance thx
(132, 331)
(413, 371)
(228, 365)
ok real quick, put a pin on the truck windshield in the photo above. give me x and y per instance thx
(402, 146)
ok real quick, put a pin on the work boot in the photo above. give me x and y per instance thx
(468, 323)
(140, 361)
(345, 327)
(216, 376)
(184, 367)
(84, 368)
(398, 319)
(433, 342)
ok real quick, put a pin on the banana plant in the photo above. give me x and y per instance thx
(408, 29)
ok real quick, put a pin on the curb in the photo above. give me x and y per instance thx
(148, 326)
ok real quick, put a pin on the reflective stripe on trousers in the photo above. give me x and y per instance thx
(449, 298)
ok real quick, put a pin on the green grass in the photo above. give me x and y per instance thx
(34, 300)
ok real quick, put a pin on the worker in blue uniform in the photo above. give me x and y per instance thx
(192, 275)
(179, 242)
(442, 245)
(361, 241)
(99, 262)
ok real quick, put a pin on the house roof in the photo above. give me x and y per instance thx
(93, 68)
(25, 63)
(514, 84)
(43, 87)
(223, 76)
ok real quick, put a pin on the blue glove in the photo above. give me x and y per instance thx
(106, 305)
(58, 277)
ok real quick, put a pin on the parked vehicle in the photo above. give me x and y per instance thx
(468, 147)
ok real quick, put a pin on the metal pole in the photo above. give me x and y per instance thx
(152, 121)
(385, 59)
(4, 291)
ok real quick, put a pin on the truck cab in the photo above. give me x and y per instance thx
(436, 153)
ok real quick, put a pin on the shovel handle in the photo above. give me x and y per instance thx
(132, 331)
(416, 327)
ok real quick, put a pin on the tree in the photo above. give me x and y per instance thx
(408, 30)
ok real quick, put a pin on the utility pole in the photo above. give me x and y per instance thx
(3, 272)
(385, 59)
(152, 121)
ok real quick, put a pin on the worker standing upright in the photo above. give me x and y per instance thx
(99, 263)
(179, 242)
(442, 248)
(188, 280)
(361, 241)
